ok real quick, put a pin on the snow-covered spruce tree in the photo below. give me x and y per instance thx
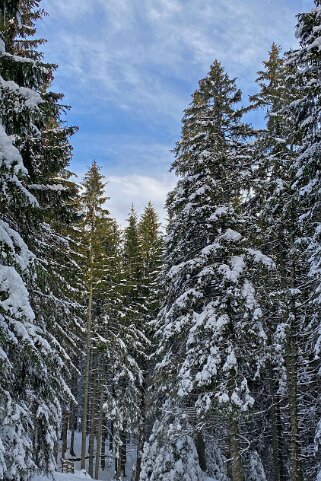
(210, 329)
(108, 302)
(129, 345)
(216, 462)
(282, 213)
(170, 454)
(92, 200)
(255, 471)
(307, 182)
(34, 152)
(151, 246)
(272, 201)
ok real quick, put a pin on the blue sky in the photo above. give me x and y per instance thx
(129, 67)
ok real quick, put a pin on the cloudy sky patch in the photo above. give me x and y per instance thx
(129, 67)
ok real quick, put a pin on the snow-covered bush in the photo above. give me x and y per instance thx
(170, 454)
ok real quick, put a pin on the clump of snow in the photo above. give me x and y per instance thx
(9, 154)
(17, 246)
(219, 212)
(17, 297)
(30, 98)
(233, 272)
(261, 258)
(231, 235)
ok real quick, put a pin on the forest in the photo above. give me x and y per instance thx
(139, 354)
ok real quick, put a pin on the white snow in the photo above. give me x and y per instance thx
(315, 43)
(9, 154)
(219, 212)
(261, 258)
(64, 477)
(11, 238)
(230, 362)
(17, 302)
(233, 272)
(231, 235)
(30, 98)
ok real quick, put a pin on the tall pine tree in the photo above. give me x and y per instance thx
(36, 197)
(211, 324)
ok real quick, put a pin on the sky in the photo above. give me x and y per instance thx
(128, 69)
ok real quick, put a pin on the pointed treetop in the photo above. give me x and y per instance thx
(131, 220)
(94, 196)
(149, 225)
(216, 81)
(269, 79)
(18, 23)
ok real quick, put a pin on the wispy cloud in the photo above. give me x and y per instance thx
(138, 190)
(119, 153)
(136, 53)
(128, 68)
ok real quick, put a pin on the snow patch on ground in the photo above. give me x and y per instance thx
(80, 475)
(66, 477)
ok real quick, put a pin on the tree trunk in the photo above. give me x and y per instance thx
(55, 450)
(121, 462)
(100, 424)
(88, 356)
(200, 447)
(93, 417)
(141, 434)
(123, 453)
(274, 421)
(73, 427)
(64, 432)
(73, 417)
(103, 446)
(283, 470)
(292, 378)
(236, 467)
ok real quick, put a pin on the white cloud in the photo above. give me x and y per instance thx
(138, 190)
(139, 60)
(129, 52)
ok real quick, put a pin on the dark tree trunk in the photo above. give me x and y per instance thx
(93, 414)
(200, 446)
(236, 467)
(141, 434)
(64, 433)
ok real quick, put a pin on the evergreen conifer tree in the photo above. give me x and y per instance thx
(306, 185)
(170, 454)
(92, 200)
(151, 245)
(211, 324)
(272, 203)
(34, 153)
(280, 209)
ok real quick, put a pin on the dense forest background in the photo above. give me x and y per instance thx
(200, 347)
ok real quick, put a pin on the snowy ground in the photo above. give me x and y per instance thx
(78, 476)
(65, 477)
